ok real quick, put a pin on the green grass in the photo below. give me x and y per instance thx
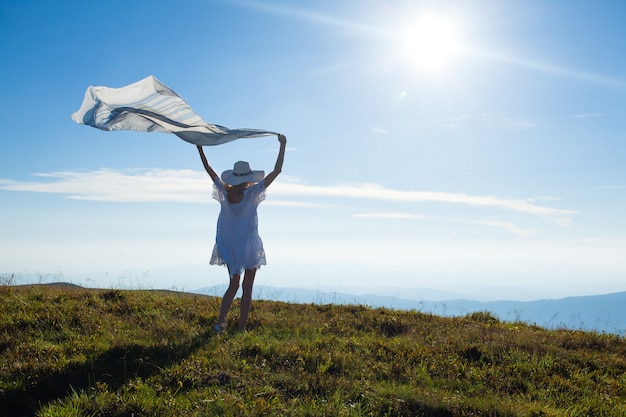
(80, 352)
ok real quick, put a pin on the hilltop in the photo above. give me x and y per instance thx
(603, 313)
(69, 351)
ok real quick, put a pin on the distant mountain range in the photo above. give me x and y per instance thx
(598, 313)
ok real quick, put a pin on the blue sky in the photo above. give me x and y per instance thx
(475, 147)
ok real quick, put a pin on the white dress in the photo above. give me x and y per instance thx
(237, 241)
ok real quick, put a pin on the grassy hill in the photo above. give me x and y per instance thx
(67, 351)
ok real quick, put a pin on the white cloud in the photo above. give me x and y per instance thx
(387, 216)
(301, 204)
(379, 129)
(168, 185)
(508, 226)
(613, 187)
(503, 120)
(136, 185)
(587, 115)
(376, 192)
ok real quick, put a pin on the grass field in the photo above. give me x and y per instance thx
(67, 351)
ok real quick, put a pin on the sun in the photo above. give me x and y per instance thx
(430, 42)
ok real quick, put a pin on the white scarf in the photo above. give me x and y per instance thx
(150, 106)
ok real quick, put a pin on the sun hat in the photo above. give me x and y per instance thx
(241, 173)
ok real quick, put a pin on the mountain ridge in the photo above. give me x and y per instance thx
(599, 313)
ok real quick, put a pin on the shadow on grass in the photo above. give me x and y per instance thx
(113, 367)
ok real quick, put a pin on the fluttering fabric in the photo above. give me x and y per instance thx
(150, 106)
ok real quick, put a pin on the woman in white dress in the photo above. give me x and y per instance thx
(237, 244)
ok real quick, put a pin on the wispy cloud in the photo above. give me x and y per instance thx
(136, 185)
(612, 187)
(376, 192)
(378, 129)
(402, 216)
(504, 120)
(296, 204)
(587, 115)
(506, 225)
(159, 185)
(497, 224)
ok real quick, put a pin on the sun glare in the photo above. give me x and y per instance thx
(429, 42)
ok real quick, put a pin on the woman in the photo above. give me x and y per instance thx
(237, 243)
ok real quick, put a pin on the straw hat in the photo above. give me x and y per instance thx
(241, 173)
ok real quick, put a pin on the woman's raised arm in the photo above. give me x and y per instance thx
(269, 178)
(208, 168)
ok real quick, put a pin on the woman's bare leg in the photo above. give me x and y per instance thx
(246, 297)
(227, 300)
